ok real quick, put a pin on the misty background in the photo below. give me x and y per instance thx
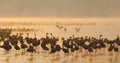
(60, 8)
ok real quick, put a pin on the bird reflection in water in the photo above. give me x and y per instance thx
(55, 60)
(116, 60)
(30, 59)
(113, 59)
(91, 59)
(110, 59)
(7, 59)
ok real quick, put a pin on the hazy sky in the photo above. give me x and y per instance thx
(60, 8)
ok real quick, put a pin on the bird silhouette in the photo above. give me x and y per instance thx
(77, 29)
(65, 29)
(6, 46)
(23, 46)
(60, 27)
(30, 49)
(16, 47)
(65, 50)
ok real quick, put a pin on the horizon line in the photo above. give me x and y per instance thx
(37, 19)
(57, 18)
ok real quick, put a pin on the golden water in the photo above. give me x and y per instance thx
(108, 27)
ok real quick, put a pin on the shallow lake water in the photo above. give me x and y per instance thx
(109, 28)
